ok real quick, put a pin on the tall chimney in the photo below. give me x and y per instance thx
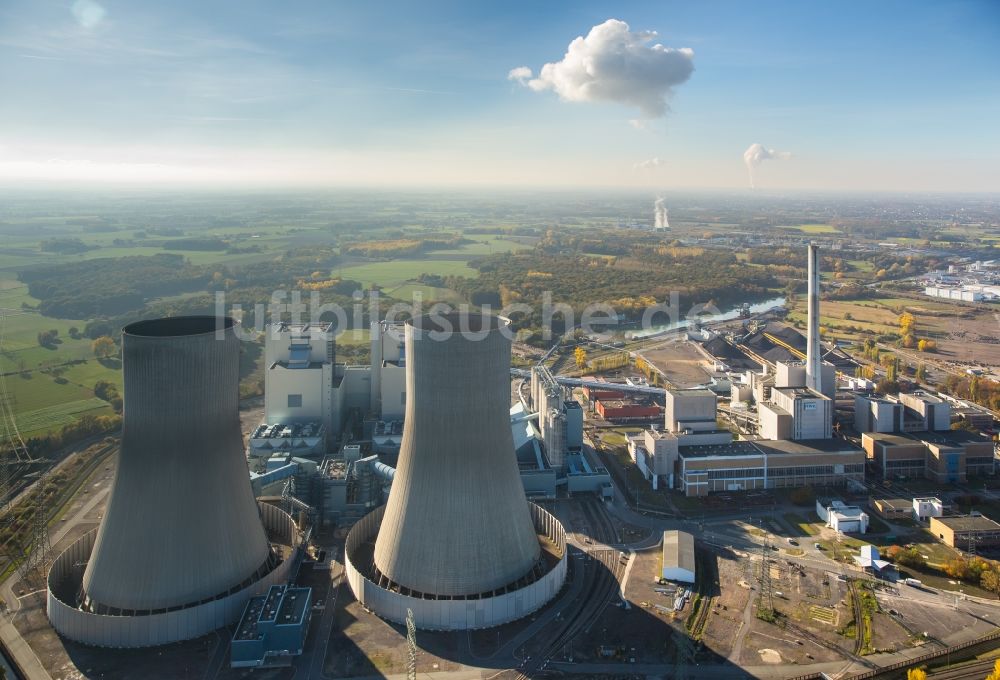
(814, 358)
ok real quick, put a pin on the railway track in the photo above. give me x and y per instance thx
(975, 670)
(602, 528)
(859, 622)
(601, 573)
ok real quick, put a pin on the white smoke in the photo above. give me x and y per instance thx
(660, 220)
(648, 164)
(757, 154)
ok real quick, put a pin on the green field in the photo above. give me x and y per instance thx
(40, 402)
(483, 244)
(358, 336)
(53, 417)
(407, 291)
(397, 272)
(815, 228)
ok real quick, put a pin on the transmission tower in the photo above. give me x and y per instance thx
(37, 546)
(411, 646)
(765, 598)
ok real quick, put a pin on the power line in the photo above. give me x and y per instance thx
(411, 646)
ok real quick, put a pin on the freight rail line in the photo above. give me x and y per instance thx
(600, 574)
(859, 623)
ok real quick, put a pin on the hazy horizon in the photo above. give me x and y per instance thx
(894, 97)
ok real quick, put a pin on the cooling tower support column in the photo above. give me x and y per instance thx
(457, 542)
(814, 357)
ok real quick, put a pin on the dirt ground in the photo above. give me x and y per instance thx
(971, 341)
(681, 362)
(363, 644)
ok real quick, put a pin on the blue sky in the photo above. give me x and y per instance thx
(862, 95)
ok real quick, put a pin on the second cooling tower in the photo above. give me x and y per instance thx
(457, 541)
(457, 521)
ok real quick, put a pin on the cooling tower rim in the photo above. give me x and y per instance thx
(179, 326)
(458, 321)
(454, 613)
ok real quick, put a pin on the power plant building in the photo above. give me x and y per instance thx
(273, 628)
(800, 405)
(457, 542)
(304, 384)
(388, 371)
(762, 464)
(183, 543)
(944, 457)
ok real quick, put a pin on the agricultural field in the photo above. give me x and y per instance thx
(965, 334)
(396, 273)
(880, 315)
(484, 244)
(815, 228)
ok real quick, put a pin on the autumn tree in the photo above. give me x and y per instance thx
(104, 347)
(916, 674)
(989, 579)
(907, 324)
(580, 354)
(995, 674)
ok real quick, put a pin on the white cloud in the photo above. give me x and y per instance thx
(757, 154)
(649, 164)
(614, 64)
(521, 74)
(88, 13)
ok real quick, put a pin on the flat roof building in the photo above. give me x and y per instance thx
(893, 508)
(796, 413)
(750, 465)
(272, 629)
(843, 518)
(962, 531)
(950, 456)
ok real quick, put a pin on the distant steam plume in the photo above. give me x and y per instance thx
(648, 164)
(758, 153)
(660, 214)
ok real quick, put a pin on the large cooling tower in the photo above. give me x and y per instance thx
(457, 522)
(182, 525)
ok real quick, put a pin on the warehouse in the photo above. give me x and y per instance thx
(678, 557)
(627, 411)
(959, 531)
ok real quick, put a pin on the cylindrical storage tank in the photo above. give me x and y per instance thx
(457, 522)
(182, 524)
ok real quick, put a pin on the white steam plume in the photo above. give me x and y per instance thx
(660, 220)
(757, 154)
(648, 164)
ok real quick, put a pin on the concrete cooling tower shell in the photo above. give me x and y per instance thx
(457, 522)
(182, 525)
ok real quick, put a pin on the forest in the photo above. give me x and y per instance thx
(629, 284)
